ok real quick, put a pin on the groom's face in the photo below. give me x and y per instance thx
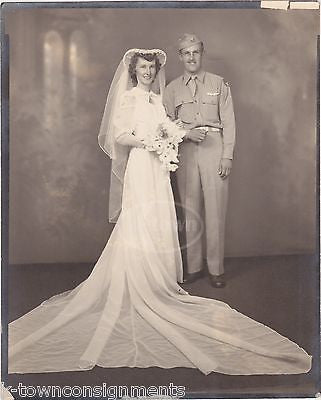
(192, 58)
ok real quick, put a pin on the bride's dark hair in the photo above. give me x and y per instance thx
(133, 63)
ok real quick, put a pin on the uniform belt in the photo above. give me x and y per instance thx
(210, 129)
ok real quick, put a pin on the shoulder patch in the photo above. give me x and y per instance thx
(226, 83)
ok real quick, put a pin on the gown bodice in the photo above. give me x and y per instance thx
(144, 110)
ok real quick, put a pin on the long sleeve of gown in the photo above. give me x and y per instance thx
(123, 119)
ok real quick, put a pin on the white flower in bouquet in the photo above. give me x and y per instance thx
(165, 144)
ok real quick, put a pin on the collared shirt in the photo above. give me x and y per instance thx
(187, 77)
(211, 106)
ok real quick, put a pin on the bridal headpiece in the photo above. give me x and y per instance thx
(129, 54)
(106, 138)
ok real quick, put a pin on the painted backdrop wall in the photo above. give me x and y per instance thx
(61, 64)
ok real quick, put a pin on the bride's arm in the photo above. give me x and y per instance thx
(124, 123)
(128, 139)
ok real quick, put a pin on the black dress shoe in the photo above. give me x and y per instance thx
(217, 281)
(190, 278)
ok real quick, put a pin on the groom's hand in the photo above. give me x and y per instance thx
(196, 135)
(225, 168)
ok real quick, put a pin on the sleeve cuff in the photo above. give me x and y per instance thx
(228, 153)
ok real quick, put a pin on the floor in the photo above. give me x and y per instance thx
(279, 291)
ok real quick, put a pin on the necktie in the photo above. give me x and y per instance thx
(193, 85)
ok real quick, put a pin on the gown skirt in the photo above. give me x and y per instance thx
(131, 312)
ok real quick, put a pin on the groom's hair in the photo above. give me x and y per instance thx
(133, 63)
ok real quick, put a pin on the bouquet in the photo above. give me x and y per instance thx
(165, 144)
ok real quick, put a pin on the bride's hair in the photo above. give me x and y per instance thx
(133, 63)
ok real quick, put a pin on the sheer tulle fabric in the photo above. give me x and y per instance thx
(111, 126)
(117, 119)
(131, 312)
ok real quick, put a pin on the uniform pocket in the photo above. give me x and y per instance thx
(210, 104)
(185, 109)
(211, 99)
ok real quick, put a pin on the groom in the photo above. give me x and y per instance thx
(203, 102)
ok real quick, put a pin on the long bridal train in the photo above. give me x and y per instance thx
(130, 312)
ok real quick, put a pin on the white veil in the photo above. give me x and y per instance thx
(112, 125)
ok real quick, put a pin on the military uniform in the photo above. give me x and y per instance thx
(202, 192)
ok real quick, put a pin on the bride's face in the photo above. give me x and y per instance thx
(145, 71)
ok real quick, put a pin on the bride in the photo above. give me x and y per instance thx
(130, 311)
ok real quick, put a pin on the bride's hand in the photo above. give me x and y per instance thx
(140, 144)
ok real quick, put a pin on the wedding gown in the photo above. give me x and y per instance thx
(130, 312)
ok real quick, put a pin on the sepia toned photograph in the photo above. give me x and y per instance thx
(160, 197)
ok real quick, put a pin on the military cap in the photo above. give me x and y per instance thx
(187, 40)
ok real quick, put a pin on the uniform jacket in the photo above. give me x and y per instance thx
(212, 105)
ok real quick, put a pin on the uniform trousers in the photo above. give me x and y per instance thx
(202, 198)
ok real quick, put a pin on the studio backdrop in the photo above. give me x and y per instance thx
(61, 65)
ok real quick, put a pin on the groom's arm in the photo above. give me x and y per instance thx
(228, 120)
